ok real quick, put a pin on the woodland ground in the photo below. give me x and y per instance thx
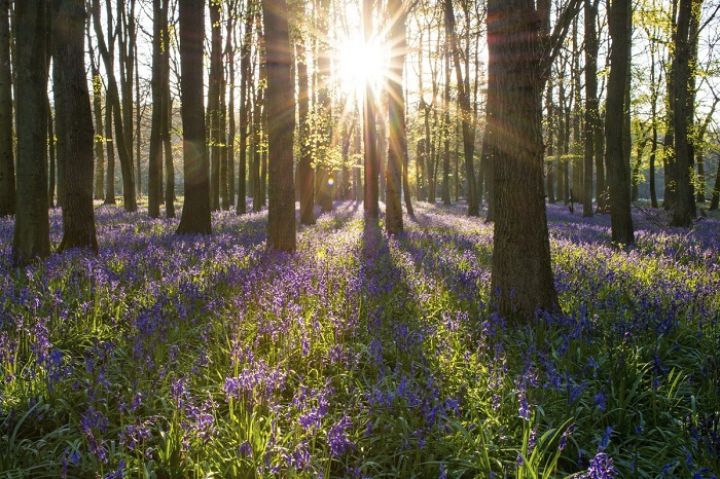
(359, 356)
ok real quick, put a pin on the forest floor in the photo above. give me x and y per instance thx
(359, 356)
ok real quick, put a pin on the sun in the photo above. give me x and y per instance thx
(360, 64)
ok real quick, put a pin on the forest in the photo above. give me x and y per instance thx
(360, 239)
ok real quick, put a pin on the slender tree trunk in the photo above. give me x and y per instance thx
(195, 218)
(522, 279)
(231, 137)
(74, 126)
(716, 191)
(396, 124)
(371, 202)
(99, 128)
(245, 86)
(446, 130)
(281, 126)
(31, 236)
(466, 113)
(306, 175)
(113, 96)
(213, 103)
(156, 154)
(54, 183)
(7, 161)
(591, 101)
(620, 201)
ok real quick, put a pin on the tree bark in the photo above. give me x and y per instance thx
(522, 279)
(245, 85)
(74, 125)
(195, 218)
(467, 113)
(7, 161)
(591, 101)
(396, 124)
(213, 103)
(113, 96)
(281, 125)
(31, 236)
(370, 197)
(156, 146)
(620, 202)
(306, 175)
(682, 207)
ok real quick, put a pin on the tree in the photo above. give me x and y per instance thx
(245, 87)
(31, 237)
(281, 125)
(371, 196)
(468, 116)
(683, 204)
(306, 174)
(195, 218)
(213, 107)
(74, 125)
(396, 114)
(113, 97)
(519, 58)
(619, 22)
(7, 162)
(156, 154)
(591, 102)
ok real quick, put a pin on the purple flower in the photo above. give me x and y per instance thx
(601, 467)
(338, 439)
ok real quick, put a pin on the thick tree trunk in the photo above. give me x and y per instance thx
(682, 208)
(370, 197)
(522, 278)
(396, 124)
(619, 174)
(74, 125)
(195, 218)
(7, 161)
(31, 237)
(113, 96)
(281, 126)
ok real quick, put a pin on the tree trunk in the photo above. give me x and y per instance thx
(591, 101)
(522, 278)
(54, 182)
(31, 237)
(99, 128)
(682, 211)
(245, 85)
(74, 125)
(7, 162)
(229, 184)
(113, 96)
(156, 154)
(195, 218)
(446, 130)
(370, 198)
(620, 203)
(166, 113)
(467, 113)
(306, 175)
(396, 123)
(213, 103)
(281, 126)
